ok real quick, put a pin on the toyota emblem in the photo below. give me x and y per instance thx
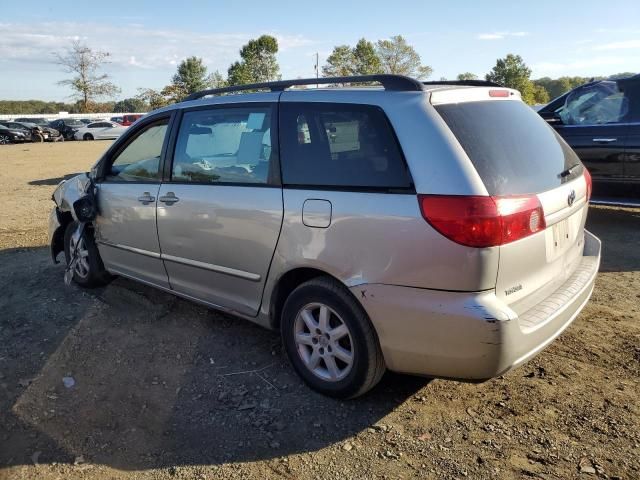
(571, 198)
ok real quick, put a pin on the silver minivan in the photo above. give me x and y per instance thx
(432, 229)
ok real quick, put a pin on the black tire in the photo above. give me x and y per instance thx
(367, 364)
(5, 140)
(87, 136)
(37, 138)
(96, 275)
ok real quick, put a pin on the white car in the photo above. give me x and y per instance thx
(100, 131)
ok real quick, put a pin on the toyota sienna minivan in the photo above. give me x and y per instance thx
(432, 229)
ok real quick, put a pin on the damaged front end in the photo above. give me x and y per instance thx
(74, 200)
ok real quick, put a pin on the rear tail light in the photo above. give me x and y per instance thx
(587, 179)
(479, 221)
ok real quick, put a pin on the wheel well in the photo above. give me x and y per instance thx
(287, 284)
(57, 242)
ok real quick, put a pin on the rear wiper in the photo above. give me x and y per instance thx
(567, 172)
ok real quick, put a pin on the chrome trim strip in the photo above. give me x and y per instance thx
(616, 203)
(254, 277)
(139, 251)
(214, 268)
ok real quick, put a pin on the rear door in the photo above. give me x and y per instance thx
(632, 150)
(594, 122)
(516, 153)
(220, 211)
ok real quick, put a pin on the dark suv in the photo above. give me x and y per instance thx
(600, 120)
(67, 127)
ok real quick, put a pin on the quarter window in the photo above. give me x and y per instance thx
(224, 145)
(140, 159)
(340, 145)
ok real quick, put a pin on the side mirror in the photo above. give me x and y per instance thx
(85, 209)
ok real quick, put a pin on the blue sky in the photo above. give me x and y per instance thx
(147, 38)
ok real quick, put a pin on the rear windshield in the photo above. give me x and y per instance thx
(512, 148)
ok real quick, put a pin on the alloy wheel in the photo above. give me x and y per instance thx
(82, 263)
(324, 342)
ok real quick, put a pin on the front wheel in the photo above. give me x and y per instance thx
(329, 339)
(89, 270)
(37, 138)
(5, 140)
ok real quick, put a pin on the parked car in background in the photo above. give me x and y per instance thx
(129, 119)
(15, 126)
(600, 120)
(318, 213)
(100, 131)
(36, 120)
(87, 121)
(11, 135)
(48, 134)
(117, 120)
(67, 127)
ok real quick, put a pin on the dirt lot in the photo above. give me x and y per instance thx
(166, 389)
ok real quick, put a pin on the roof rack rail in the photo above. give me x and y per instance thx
(465, 83)
(389, 82)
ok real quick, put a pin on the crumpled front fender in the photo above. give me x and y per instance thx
(65, 194)
(68, 191)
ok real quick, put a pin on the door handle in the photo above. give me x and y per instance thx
(146, 198)
(170, 198)
(604, 140)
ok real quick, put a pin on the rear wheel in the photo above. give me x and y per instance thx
(87, 136)
(89, 270)
(330, 340)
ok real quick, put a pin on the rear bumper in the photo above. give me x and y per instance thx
(471, 335)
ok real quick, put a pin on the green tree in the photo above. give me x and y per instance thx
(153, 98)
(540, 95)
(365, 58)
(512, 72)
(341, 62)
(467, 76)
(191, 77)
(87, 83)
(398, 57)
(130, 105)
(258, 62)
(216, 80)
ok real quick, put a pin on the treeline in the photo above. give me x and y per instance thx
(128, 105)
(258, 63)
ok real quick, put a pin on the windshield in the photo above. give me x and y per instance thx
(514, 151)
(74, 123)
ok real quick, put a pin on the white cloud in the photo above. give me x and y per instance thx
(130, 46)
(500, 35)
(618, 45)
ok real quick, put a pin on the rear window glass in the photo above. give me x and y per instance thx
(513, 149)
(339, 145)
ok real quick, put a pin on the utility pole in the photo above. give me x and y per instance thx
(317, 67)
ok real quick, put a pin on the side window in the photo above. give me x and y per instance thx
(339, 145)
(598, 104)
(224, 145)
(140, 159)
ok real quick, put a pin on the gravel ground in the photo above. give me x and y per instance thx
(128, 382)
